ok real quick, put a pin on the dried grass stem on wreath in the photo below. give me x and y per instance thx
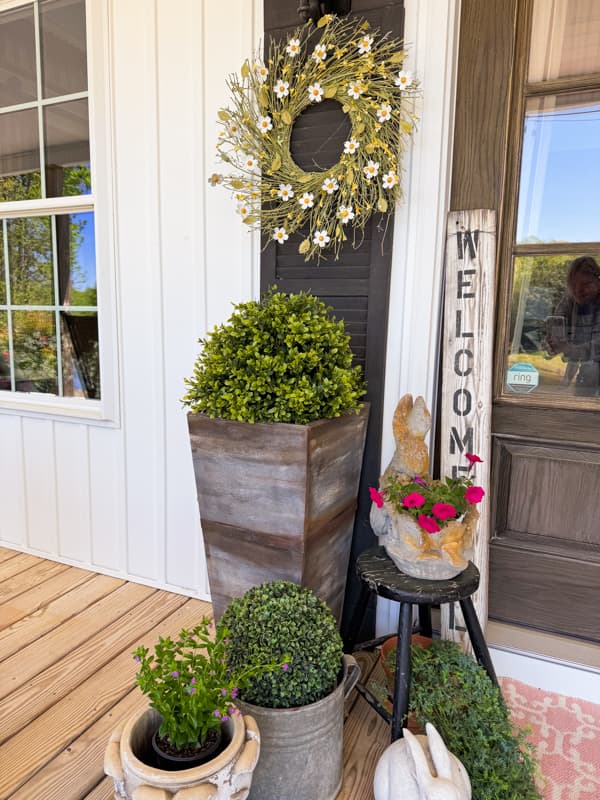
(362, 70)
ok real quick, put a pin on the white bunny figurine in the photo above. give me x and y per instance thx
(420, 768)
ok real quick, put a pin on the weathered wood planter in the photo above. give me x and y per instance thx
(277, 502)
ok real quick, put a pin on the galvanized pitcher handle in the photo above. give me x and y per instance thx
(352, 674)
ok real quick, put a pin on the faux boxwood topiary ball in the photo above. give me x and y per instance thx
(283, 359)
(281, 620)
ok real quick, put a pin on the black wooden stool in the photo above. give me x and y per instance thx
(379, 574)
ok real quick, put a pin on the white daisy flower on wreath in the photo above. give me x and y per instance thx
(404, 79)
(293, 47)
(315, 92)
(234, 128)
(285, 191)
(355, 89)
(243, 210)
(248, 161)
(371, 170)
(307, 200)
(351, 146)
(321, 238)
(265, 124)
(384, 112)
(262, 72)
(319, 53)
(364, 45)
(330, 185)
(215, 179)
(281, 89)
(280, 235)
(389, 180)
(345, 214)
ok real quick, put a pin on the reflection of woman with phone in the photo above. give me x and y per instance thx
(574, 328)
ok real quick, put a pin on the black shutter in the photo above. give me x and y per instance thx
(356, 285)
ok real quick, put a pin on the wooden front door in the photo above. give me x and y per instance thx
(356, 286)
(545, 550)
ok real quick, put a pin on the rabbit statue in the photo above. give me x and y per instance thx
(420, 768)
(410, 425)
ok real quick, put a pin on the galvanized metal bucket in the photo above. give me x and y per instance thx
(301, 748)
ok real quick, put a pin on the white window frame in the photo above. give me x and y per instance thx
(100, 202)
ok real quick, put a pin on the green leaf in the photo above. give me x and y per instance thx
(245, 70)
(382, 205)
(331, 91)
(223, 115)
(286, 117)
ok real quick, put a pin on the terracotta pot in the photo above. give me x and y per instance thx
(229, 775)
(391, 644)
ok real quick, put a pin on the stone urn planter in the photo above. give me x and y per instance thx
(128, 761)
(277, 502)
(432, 556)
(301, 748)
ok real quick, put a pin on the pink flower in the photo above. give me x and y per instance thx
(175, 674)
(443, 510)
(474, 494)
(428, 524)
(413, 500)
(376, 497)
(419, 480)
(285, 667)
(473, 459)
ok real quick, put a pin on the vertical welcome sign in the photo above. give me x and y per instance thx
(467, 377)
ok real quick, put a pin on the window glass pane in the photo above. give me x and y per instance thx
(80, 362)
(19, 156)
(4, 354)
(555, 327)
(34, 339)
(560, 171)
(17, 56)
(62, 36)
(564, 39)
(30, 261)
(67, 149)
(2, 270)
(76, 253)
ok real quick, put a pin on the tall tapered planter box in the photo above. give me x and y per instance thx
(277, 501)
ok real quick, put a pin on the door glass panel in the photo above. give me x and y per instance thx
(62, 38)
(67, 149)
(19, 156)
(554, 346)
(80, 360)
(564, 40)
(30, 261)
(17, 56)
(34, 339)
(560, 172)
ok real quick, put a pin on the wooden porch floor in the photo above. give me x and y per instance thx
(67, 678)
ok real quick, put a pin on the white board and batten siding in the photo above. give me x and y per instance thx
(113, 490)
(467, 378)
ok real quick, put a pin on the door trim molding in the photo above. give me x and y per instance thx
(431, 33)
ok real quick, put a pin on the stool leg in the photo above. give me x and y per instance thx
(402, 679)
(425, 620)
(477, 640)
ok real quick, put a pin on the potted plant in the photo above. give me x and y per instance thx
(192, 735)
(299, 710)
(453, 692)
(277, 431)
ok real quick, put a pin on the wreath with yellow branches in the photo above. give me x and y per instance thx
(362, 70)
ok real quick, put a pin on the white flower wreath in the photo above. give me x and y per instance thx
(358, 68)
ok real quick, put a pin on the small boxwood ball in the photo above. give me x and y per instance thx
(281, 620)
